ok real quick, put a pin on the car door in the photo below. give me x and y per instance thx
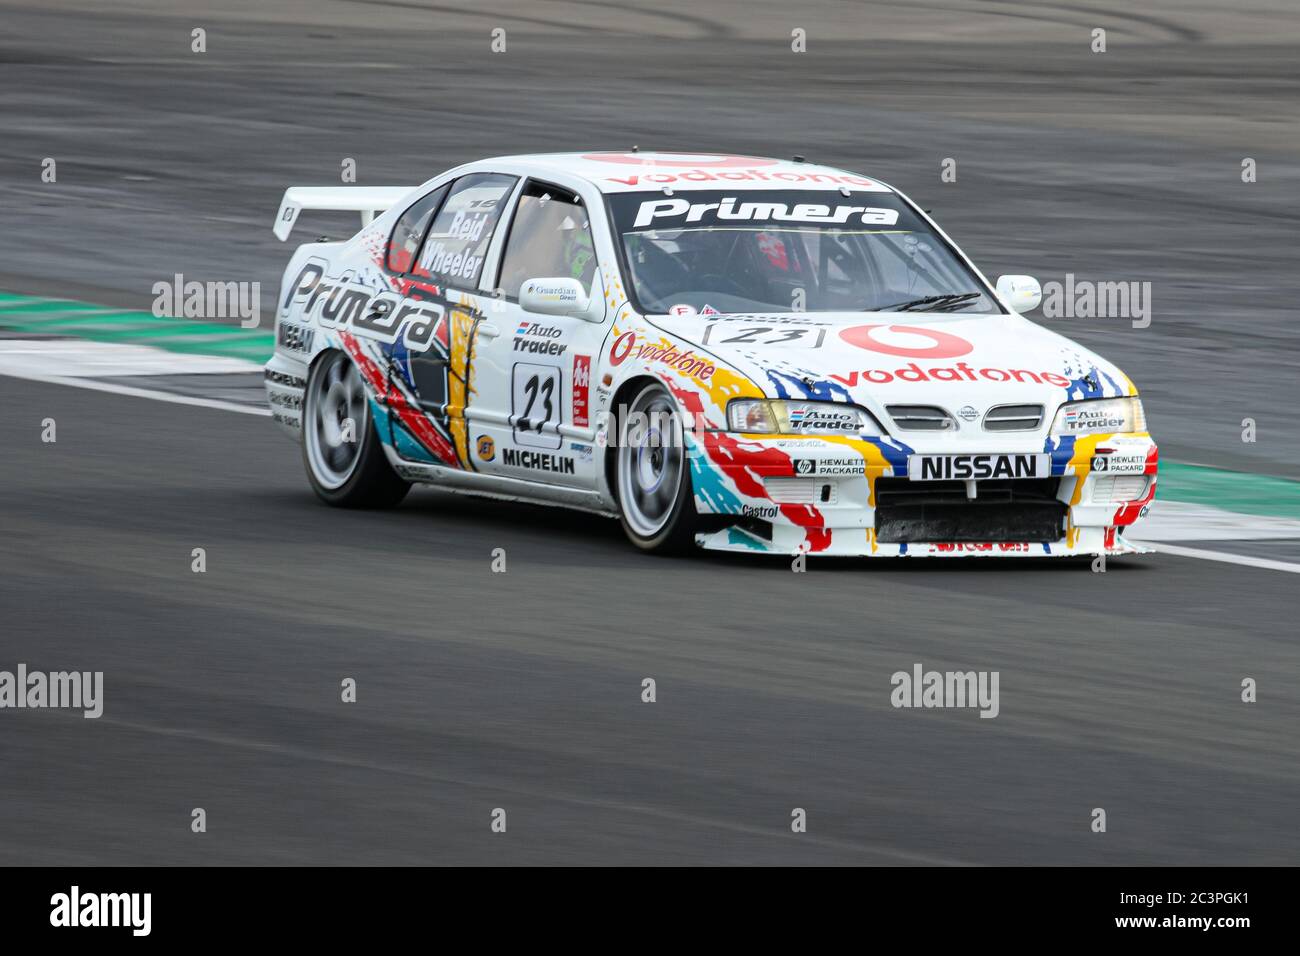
(438, 257)
(530, 415)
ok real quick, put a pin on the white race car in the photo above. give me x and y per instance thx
(738, 353)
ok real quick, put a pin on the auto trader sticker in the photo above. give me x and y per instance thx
(824, 420)
(1088, 420)
(539, 339)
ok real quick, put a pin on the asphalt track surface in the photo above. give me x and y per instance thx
(523, 690)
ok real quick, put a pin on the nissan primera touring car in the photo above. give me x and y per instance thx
(738, 353)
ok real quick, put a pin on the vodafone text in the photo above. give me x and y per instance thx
(957, 372)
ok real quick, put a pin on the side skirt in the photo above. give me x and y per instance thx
(501, 487)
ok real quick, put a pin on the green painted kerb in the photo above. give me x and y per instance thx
(1238, 491)
(28, 313)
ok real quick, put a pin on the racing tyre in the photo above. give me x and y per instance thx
(652, 477)
(345, 473)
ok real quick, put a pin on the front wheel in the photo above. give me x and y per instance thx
(652, 472)
(341, 449)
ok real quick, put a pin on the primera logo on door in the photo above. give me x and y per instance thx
(343, 303)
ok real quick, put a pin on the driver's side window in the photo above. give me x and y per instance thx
(549, 237)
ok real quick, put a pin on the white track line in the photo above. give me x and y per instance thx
(81, 363)
(78, 358)
(1223, 556)
(1183, 521)
(155, 394)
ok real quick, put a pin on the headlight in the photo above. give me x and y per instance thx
(759, 416)
(1099, 416)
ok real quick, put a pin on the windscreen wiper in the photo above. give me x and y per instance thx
(936, 303)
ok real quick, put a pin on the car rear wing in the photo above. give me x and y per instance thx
(367, 200)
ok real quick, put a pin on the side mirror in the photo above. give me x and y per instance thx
(1020, 293)
(558, 295)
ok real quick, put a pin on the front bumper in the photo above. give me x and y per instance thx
(853, 496)
(845, 542)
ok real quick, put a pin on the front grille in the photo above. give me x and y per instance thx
(905, 491)
(1013, 418)
(921, 418)
(1021, 509)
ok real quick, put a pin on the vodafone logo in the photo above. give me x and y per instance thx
(622, 348)
(938, 345)
(661, 169)
(705, 160)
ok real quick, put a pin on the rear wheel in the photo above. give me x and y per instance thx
(652, 472)
(344, 457)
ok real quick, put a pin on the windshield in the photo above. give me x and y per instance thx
(788, 251)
